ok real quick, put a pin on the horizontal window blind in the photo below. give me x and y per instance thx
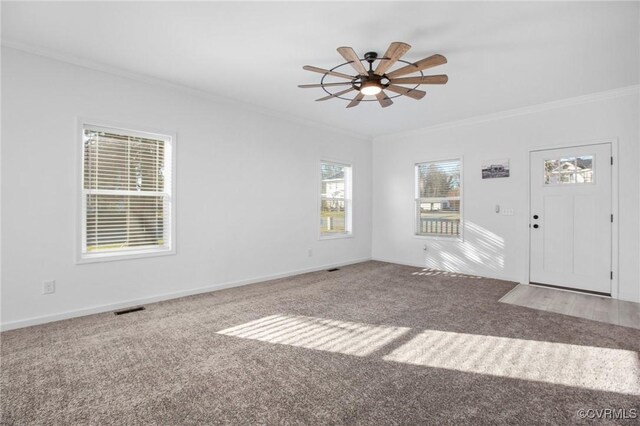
(438, 200)
(126, 192)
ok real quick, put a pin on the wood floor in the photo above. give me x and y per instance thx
(587, 306)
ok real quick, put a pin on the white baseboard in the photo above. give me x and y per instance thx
(397, 262)
(401, 262)
(12, 325)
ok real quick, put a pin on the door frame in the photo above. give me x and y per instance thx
(613, 141)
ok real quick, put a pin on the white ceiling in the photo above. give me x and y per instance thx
(501, 55)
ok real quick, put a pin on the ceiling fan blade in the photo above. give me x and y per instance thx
(350, 55)
(323, 71)
(423, 64)
(355, 101)
(384, 99)
(307, 86)
(394, 52)
(337, 94)
(427, 79)
(412, 93)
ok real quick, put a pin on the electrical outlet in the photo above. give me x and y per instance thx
(48, 287)
(310, 252)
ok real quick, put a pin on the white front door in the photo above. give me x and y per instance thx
(570, 217)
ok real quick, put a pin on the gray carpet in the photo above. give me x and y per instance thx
(372, 343)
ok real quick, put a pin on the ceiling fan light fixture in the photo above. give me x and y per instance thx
(370, 88)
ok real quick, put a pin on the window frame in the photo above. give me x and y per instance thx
(438, 237)
(348, 202)
(130, 130)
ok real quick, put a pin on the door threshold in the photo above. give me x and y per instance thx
(573, 290)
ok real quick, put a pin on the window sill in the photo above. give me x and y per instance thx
(130, 255)
(336, 237)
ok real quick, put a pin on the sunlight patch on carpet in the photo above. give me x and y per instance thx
(344, 337)
(602, 369)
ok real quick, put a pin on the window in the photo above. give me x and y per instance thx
(126, 193)
(437, 191)
(335, 199)
(562, 171)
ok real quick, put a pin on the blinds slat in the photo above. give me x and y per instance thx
(122, 244)
(105, 160)
(124, 250)
(127, 236)
(124, 237)
(141, 200)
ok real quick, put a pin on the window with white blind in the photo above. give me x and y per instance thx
(335, 199)
(438, 187)
(127, 199)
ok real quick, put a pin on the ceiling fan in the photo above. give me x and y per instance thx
(374, 82)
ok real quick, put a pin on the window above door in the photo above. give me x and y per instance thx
(569, 170)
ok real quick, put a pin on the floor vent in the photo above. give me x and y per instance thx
(129, 310)
(333, 269)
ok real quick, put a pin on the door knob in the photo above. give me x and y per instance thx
(535, 216)
(535, 226)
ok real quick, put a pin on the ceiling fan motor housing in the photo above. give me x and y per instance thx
(371, 82)
(370, 57)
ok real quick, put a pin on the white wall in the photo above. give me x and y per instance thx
(496, 245)
(230, 155)
(229, 158)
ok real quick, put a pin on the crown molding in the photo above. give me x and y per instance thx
(97, 66)
(143, 78)
(531, 109)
